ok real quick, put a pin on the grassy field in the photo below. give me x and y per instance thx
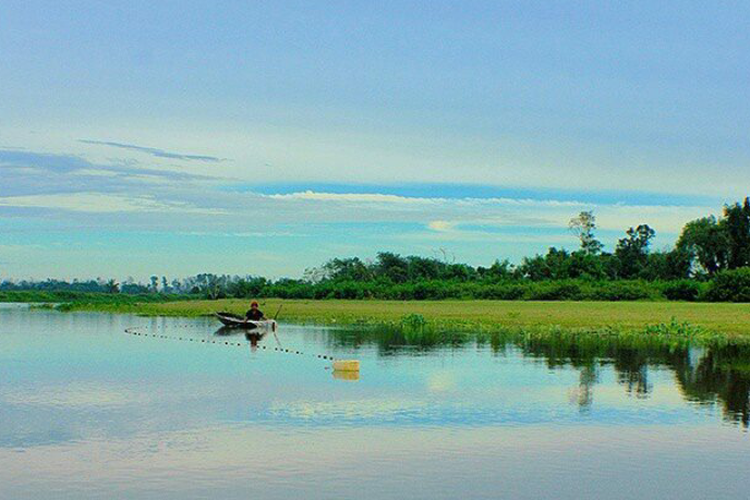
(727, 319)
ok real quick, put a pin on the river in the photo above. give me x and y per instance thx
(179, 409)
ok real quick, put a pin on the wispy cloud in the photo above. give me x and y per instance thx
(53, 191)
(157, 152)
(441, 226)
(29, 159)
(103, 203)
(386, 198)
(77, 184)
(32, 173)
(350, 197)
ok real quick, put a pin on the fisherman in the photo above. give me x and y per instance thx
(254, 314)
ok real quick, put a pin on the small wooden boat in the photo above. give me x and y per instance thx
(233, 321)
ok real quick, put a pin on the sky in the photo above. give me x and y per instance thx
(263, 138)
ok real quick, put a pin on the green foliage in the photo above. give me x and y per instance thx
(498, 271)
(727, 286)
(737, 225)
(632, 251)
(622, 291)
(719, 244)
(730, 286)
(707, 243)
(672, 265)
(413, 321)
(687, 290)
(674, 328)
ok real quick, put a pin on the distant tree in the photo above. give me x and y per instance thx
(460, 272)
(113, 286)
(583, 226)
(632, 251)
(582, 264)
(247, 287)
(707, 244)
(165, 285)
(154, 284)
(392, 266)
(350, 269)
(554, 265)
(424, 268)
(534, 268)
(211, 285)
(666, 265)
(678, 265)
(498, 271)
(737, 224)
(133, 288)
(315, 275)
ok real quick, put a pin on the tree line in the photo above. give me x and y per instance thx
(709, 261)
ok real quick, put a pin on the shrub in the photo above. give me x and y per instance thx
(504, 291)
(555, 291)
(623, 290)
(687, 290)
(730, 286)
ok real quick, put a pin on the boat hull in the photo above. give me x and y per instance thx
(233, 321)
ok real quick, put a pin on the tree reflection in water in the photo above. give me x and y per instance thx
(710, 375)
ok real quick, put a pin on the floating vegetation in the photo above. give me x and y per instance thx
(416, 330)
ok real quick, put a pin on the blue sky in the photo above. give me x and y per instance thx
(173, 138)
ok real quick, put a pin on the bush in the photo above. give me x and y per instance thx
(686, 290)
(555, 291)
(622, 290)
(504, 291)
(730, 286)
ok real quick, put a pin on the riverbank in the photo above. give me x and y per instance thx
(730, 320)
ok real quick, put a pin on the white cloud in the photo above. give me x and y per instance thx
(101, 203)
(391, 198)
(453, 215)
(440, 225)
(353, 197)
(96, 172)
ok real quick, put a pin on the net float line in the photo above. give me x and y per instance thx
(137, 332)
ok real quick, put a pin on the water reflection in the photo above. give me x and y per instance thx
(710, 375)
(718, 375)
(225, 331)
(721, 375)
(254, 339)
(187, 412)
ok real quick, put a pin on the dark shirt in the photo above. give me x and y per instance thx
(254, 315)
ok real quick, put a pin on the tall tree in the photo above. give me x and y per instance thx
(392, 266)
(632, 251)
(707, 243)
(737, 223)
(348, 269)
(583, 226)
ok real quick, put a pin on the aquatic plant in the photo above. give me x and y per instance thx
(413, 322)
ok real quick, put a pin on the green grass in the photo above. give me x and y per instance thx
(732, 321)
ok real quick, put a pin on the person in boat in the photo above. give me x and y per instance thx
(254, 314)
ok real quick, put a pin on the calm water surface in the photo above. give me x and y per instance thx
(87, 411)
